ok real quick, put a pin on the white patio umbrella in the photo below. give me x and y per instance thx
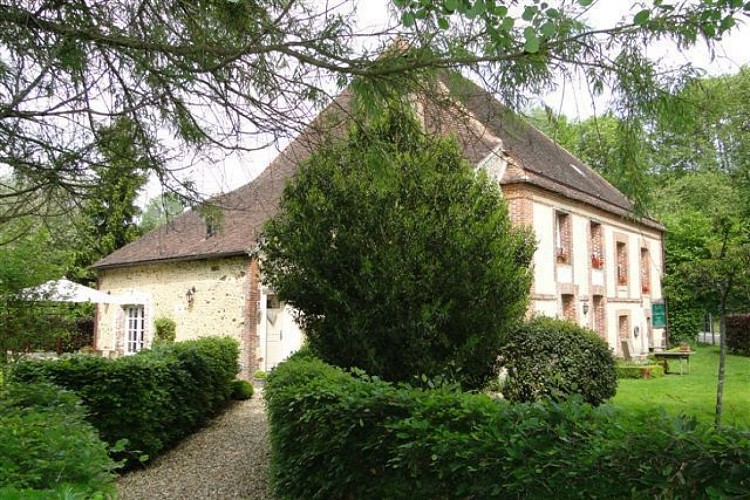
(64, 290)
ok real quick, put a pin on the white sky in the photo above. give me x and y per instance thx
(572, 98)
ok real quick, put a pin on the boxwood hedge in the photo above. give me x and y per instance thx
(154, 398)
(632, 370)
(335, 435)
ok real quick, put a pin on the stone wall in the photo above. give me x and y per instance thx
(204, 298)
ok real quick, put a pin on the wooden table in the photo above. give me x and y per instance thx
(683, 356)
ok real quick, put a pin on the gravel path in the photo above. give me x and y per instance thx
(226, 460)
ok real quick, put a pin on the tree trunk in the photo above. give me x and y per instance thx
(722, 358)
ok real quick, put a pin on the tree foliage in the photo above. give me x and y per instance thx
(28, 261)
(400, 258)
(708, 250)
(108, 216)
(160, 210)
(213, 75)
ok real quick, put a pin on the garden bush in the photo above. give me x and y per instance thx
(335, 435)
(634, 370)
(549, 358)
(47, 446)
(400, 256)
(241, 390)
(738, 334)
(166, 330)
(154, 398)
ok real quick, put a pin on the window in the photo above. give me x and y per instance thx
(645, 273)
(598, 316)
(623, 332)
(568, 307)
(563, 238)
(135, 329)
(622, 263)
(597, 250)
(272, 301)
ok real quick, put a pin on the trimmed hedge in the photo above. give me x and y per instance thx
(629, 370)
(553, 359)
(47, 447)
(334, 435)
(154, 398)
(242, 390)
(738, 334)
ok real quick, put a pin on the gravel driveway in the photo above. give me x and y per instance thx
(226, 460)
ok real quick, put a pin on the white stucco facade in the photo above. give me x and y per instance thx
(608, 286)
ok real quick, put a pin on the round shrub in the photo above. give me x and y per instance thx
(166, 330)
(553, 359)
(241, 390)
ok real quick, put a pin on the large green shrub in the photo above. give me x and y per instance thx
(548, 358)
(47, 445)
(400, 256)
(152, 399)
(334, 435)
(738, 333)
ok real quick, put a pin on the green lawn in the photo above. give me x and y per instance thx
(694, 394)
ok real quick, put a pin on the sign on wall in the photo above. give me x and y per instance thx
(659, 314)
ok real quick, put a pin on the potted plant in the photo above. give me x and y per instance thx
(684, 347)
(596, 261)
(562, 257)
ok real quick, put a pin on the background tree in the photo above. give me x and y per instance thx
(160, 210)
(109, 216)
(33, 256)
(219, 74)
(401, 260)
(708, 254)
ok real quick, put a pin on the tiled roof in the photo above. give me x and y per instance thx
(482, 125)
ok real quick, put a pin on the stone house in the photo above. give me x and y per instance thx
(595, 264)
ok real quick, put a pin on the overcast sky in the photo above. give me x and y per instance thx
(572, 98)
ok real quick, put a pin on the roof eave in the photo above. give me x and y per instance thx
(171, 260)
(600, 204)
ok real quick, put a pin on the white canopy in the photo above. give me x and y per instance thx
(64, 290)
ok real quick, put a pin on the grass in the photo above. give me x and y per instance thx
(694, 394)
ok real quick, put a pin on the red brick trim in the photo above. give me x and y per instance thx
(251, 357)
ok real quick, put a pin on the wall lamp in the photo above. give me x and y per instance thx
(190, 295)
